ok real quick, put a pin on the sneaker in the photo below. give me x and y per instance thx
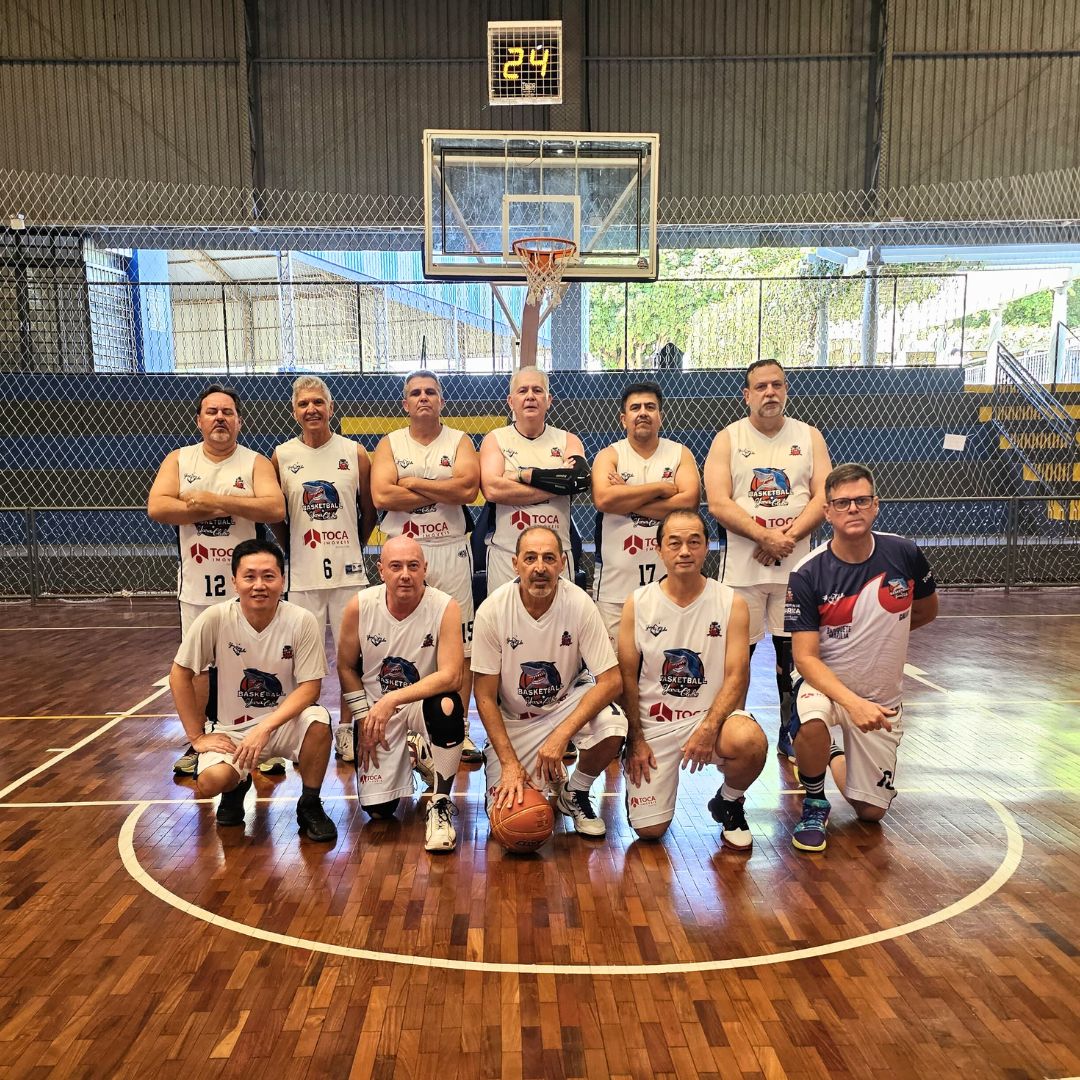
(186, 763)
(471, 754)
(730, 814)
(344, 745)
(440, 834)
(571, 751)
(230, 809)
(784, 746)
(314, 822)
(423, 762)
(274, 766)
(809, 834)
(578, 805)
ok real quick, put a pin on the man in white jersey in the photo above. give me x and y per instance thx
(545, 673)
(852, 604)
(214, 492)
(636, 483)
(529, 471)
(422, 478)
(765, 482)
(399, 662)
(684, 655)
(270, 662)
(329, 515)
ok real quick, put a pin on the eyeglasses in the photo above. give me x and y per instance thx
(862, 502)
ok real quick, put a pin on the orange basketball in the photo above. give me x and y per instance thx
(523, 826)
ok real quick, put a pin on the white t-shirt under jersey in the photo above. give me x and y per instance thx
(538, 659)
(434, 523)
(770, 480)
(546, 451)
(256, 670)
(626, 543)
(206, 547)
(320, 486)
(682, 651)
(398, 652)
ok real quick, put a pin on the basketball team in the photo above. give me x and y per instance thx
(653, 668)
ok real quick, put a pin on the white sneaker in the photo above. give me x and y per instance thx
(344, 747)
(578, 805)
(423, 762)
(274, 766)
(440, 834)
(471, 754)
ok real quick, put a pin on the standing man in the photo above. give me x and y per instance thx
(214, 492)
(684, 655)
(270, 662)
(422, 478)
(325, 478)
(765, 482)
(545, 674)
(529, 471)
(399, 662)
(852, 604)
(636, 483)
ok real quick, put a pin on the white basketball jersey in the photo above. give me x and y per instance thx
(256, 670)
(320, 486)
(546, 451)
(770, 480)
(396, 653)
(626, 543)
(205, 574)
(538, 660)
(435, 523)
(682, 651)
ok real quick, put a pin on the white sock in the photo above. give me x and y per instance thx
(730, 793)
(580, 781)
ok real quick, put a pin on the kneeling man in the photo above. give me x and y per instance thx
(399, 660)
(269, 660)
(684, 654)
(544, 673)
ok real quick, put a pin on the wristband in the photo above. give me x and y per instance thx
(357, 702)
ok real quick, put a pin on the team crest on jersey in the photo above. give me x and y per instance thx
(682, 673)
(295, 468)
(397, 672)
(428, 642)
(556, 452)
(539, 683)
(321, 500)
(237, 649)
(401, 463)
(656, 629)
(239, 483)
(260, 689)
(898, 588)
(770, 487)
(343, 465)
(444, 461)
(668, 474)
(715, 630)
(796, 451)
(566, 638)
(191, 477)
(514, 642)
(660, 712)
(214, 527)
(286, 652)
(376, 639)
(462, 553)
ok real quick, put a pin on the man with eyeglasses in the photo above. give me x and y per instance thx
(765, 483)
(851, 605)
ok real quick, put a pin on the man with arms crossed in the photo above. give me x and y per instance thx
(851, 605)
(636, 482)
(534, 639)
(685, 665)
(399, 662)
(765, 482)
(330, 515)
(214, 492)
(422, 478)
(270, 663)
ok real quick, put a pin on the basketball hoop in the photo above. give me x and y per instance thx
(546, 259)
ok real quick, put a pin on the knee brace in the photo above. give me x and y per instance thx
(443, 730)
(784, 663)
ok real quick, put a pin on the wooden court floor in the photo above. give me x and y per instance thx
(138, 939)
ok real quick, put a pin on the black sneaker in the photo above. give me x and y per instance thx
(571, 752)
(731, 815)
(314, 822)
(230, 809)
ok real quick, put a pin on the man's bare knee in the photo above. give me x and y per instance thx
(216, 780)
(869, 812)
(652, 832)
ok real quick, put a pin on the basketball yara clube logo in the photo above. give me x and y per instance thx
(321, 500)
(770, 487)
(397, 672)
(682, 673)
(539, 683)
(259, 689)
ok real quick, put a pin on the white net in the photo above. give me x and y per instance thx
(545, 260)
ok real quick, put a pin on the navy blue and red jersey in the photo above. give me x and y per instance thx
(861, 612)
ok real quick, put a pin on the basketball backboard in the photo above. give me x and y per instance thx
(485, 189)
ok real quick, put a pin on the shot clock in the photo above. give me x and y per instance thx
(525, 63)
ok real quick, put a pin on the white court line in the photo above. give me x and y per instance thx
(1011, 860)
(80, 744)
(77, 629)
(1019, 615)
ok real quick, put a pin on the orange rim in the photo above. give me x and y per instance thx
(557, 250)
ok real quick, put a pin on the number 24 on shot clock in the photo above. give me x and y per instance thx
(525, 63)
